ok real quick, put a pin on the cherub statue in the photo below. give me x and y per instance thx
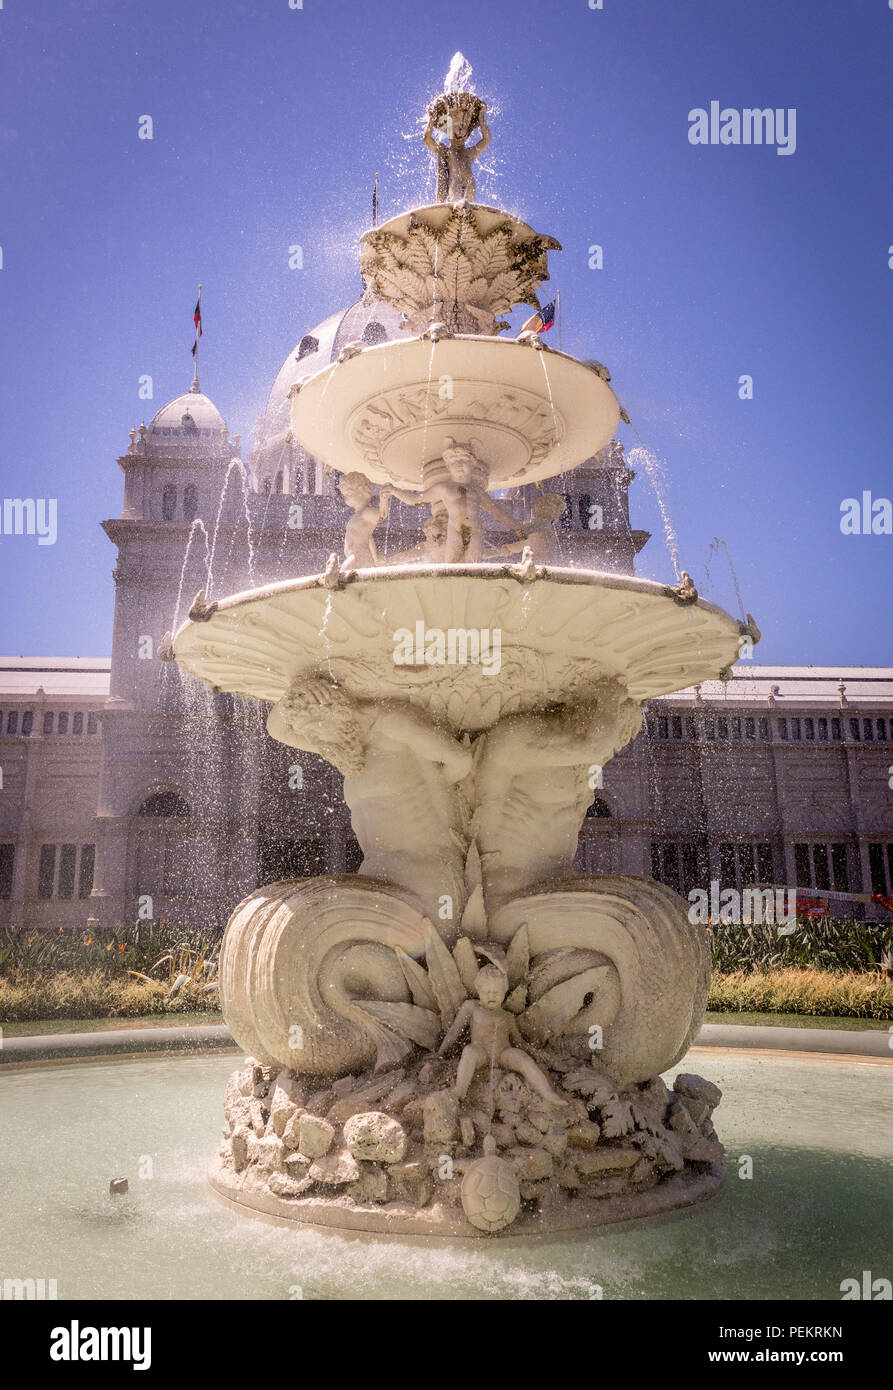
(429, 551)
(540, 536)
(464, 500)
(455, 179)
(401, 775)
(495, 1038)
(359, 545)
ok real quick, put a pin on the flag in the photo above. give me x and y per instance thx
(197, 320)
(541, 322)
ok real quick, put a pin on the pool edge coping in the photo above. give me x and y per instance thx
(202, 1039)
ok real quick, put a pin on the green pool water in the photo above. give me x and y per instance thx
(818, 1208)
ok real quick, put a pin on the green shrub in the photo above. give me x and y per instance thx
(821, 945)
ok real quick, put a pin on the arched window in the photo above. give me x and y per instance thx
(164, 804)
(190, 503)
(267, 487)
(12, 722)
(375, 333)
(169, 503)
(48, 722)
(188, 424)
(63, 724)
(599, 809)
(77, 724)
(307, 345)
(279, 481)
(27, 722)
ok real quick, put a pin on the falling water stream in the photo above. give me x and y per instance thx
(655, 470)
(717, 545)
(197, 525)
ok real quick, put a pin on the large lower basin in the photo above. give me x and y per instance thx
(557, 636)
(817, 1209)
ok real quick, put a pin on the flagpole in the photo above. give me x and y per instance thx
(195, 385)
(558, 308)
(375, 203)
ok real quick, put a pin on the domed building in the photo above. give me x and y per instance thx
(131, 792)
(278, 461)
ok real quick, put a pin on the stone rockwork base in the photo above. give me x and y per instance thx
(397, 1153)
(563, 1214)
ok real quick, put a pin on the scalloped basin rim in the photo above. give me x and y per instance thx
(558, 634)
(436, 215)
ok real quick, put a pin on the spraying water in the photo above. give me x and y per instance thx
(197, 525)
(458, 78)
(235, 463)
(716, 545)
(655, 468)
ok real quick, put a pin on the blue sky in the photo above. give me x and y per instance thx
(269, 126)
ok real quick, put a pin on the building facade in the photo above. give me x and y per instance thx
(131, 791)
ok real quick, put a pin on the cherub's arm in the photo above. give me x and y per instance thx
(458, 1026)
(510, 548)
(515, 1034)
(428, 138)
(489, 504)
(412, 499)
(484, 141)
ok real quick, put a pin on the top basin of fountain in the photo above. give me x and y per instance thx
(387, 410)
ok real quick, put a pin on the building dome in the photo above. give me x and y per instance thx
(320, 346)
(190, 418)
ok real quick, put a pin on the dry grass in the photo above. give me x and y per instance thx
(856, 994)
(93, 994)
(96, 994)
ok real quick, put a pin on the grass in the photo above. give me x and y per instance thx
(818, 993)
(841, 1022)
(93, 994)
(35, 1027)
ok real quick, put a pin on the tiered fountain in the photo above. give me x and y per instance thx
(465, 1037)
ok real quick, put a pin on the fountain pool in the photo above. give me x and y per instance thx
(819, 1132)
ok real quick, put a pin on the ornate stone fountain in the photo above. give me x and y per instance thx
(465, 1037)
